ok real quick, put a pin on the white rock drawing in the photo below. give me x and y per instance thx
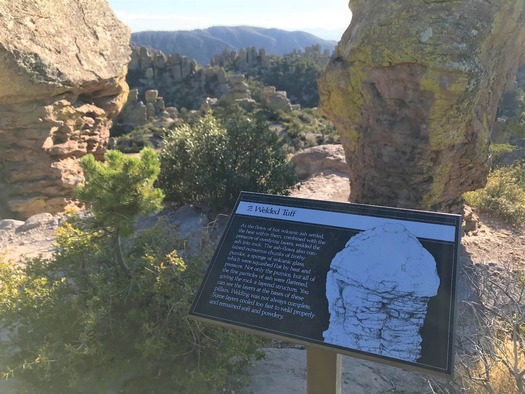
(378, 289)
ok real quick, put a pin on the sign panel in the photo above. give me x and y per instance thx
(372, 282)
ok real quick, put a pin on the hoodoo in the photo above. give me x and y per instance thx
(62, 79)
(414, 88)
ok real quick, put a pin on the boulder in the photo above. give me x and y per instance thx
(38, 220)
(413, 89)
(8, 224)
(62, 80)
(277, 100)
(239, 90)
(134, 112)
(320, 159)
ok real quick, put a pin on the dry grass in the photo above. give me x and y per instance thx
(491, 374)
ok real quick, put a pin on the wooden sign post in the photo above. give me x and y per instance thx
(323, 371)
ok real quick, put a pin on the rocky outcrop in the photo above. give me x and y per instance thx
(242, 60)
(154, 65)
(413, 89)
(62, 80)
(277, 100)
(238, 92)
(320, 159)
(134, 112)
(179, 80)
(184, 84)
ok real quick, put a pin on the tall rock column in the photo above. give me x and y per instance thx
(62, 79)
(414, 88)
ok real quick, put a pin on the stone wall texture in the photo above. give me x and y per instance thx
(62, 79)
(414, 88)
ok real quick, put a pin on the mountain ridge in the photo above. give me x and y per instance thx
(203, 44)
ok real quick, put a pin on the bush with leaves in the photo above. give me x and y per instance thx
(499, 152)
(303, 129)
(504, 194)
(146, 136)
(118, 191)
(78, 325)
(217, 157)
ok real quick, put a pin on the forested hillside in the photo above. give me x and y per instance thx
(202, 45)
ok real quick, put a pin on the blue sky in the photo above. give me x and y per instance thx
(309, 15)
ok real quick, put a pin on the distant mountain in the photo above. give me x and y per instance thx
(327, 34)
(202, 45)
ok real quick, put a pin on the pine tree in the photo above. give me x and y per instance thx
(118, 191)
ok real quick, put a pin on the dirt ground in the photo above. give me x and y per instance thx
(492, 240)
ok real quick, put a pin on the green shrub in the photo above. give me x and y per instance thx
(147, 136)
(302, 129)
(214, 159)
(77, 327)
(504, 194)
(499, 151)
(118, 191)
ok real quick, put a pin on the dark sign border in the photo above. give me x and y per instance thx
(437, 355)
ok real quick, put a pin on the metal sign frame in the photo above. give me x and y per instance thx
(360, 280)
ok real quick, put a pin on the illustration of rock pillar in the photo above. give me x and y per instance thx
(378, 289)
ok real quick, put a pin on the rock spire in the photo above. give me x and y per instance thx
(414, 88)
(62, 79)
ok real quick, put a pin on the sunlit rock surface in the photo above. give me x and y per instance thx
(62, 80)
(378, 289)
(414, 88)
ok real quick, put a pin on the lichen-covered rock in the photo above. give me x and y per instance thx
(62, 79)
(414, 88)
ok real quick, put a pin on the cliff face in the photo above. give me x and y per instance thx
(414, 89)
(62, 79)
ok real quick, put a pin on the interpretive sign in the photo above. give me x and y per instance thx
(372, 282)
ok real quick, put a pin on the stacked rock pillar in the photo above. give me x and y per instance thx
(62, 80)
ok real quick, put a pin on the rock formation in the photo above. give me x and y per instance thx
(134, 113)
(378, 288)
(243, 60)
(413, 89)
(62, 79)
(320, 159)
(238, 91)
(152, 66)
(184, 84)
(277, 100)
(179, 80)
